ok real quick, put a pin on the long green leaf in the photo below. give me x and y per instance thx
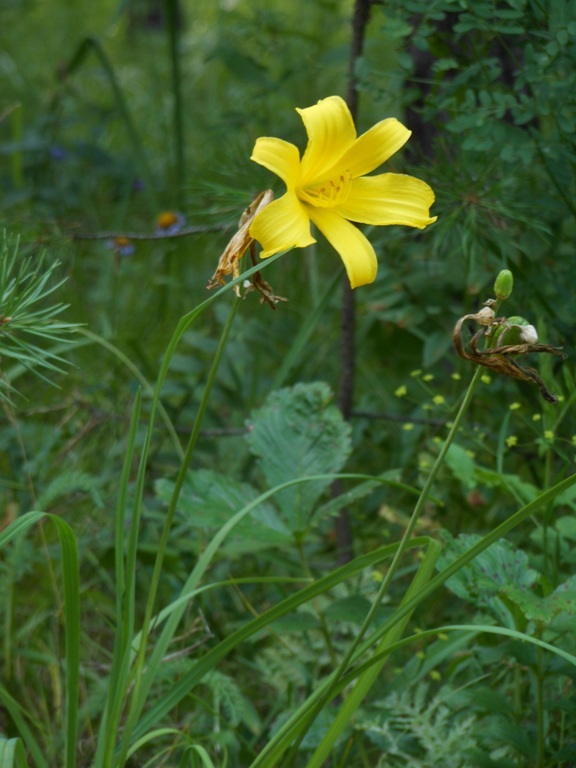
(12, 753)
(369, 677)
(185, 322)
(71, 587)
(19, 719)
(469, 630)
(498, 533)
(289, 731)
(125, 606)
(213, 657)
(205, 560)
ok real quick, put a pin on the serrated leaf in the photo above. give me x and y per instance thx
(544, 609)
(499, 567)
(533, 606)
(500, 576)
(208, 500)
(298, 432)
(512, 733)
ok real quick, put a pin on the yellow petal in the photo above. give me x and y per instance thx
(282, 225)
(390, 198)
(280, 157)
(354, 249)
(331, 133)
(374, 147)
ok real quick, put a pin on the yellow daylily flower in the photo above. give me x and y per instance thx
(329, 188)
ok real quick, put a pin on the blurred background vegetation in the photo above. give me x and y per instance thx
(115, 111)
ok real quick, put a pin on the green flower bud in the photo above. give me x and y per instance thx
(503, 284)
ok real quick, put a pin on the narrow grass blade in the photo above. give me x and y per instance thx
(71, 588)
(125, 567)
(468, 631)
(281, 741)
(12, 754)
(368, 678)
(213, 657)
(19, 719)
(202, 565)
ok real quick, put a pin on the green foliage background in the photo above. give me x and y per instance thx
(112, 112)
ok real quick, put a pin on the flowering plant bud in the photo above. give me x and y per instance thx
(503, 284)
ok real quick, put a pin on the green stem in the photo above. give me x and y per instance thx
(173, 35)
(416, 513)
(137, 698)
(545, 516)
(399, 552)
(120, 692)
(540, 702)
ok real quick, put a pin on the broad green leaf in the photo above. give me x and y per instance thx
(297, 433)
(481, 697)
(495, 569)
(544, 609)
(461, 464)
(208, 500)
(566, 527)
(502, 572)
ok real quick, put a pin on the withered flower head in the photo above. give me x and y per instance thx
(229, 262)
(499, 356)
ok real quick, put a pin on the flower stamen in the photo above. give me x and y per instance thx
(329, 193)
